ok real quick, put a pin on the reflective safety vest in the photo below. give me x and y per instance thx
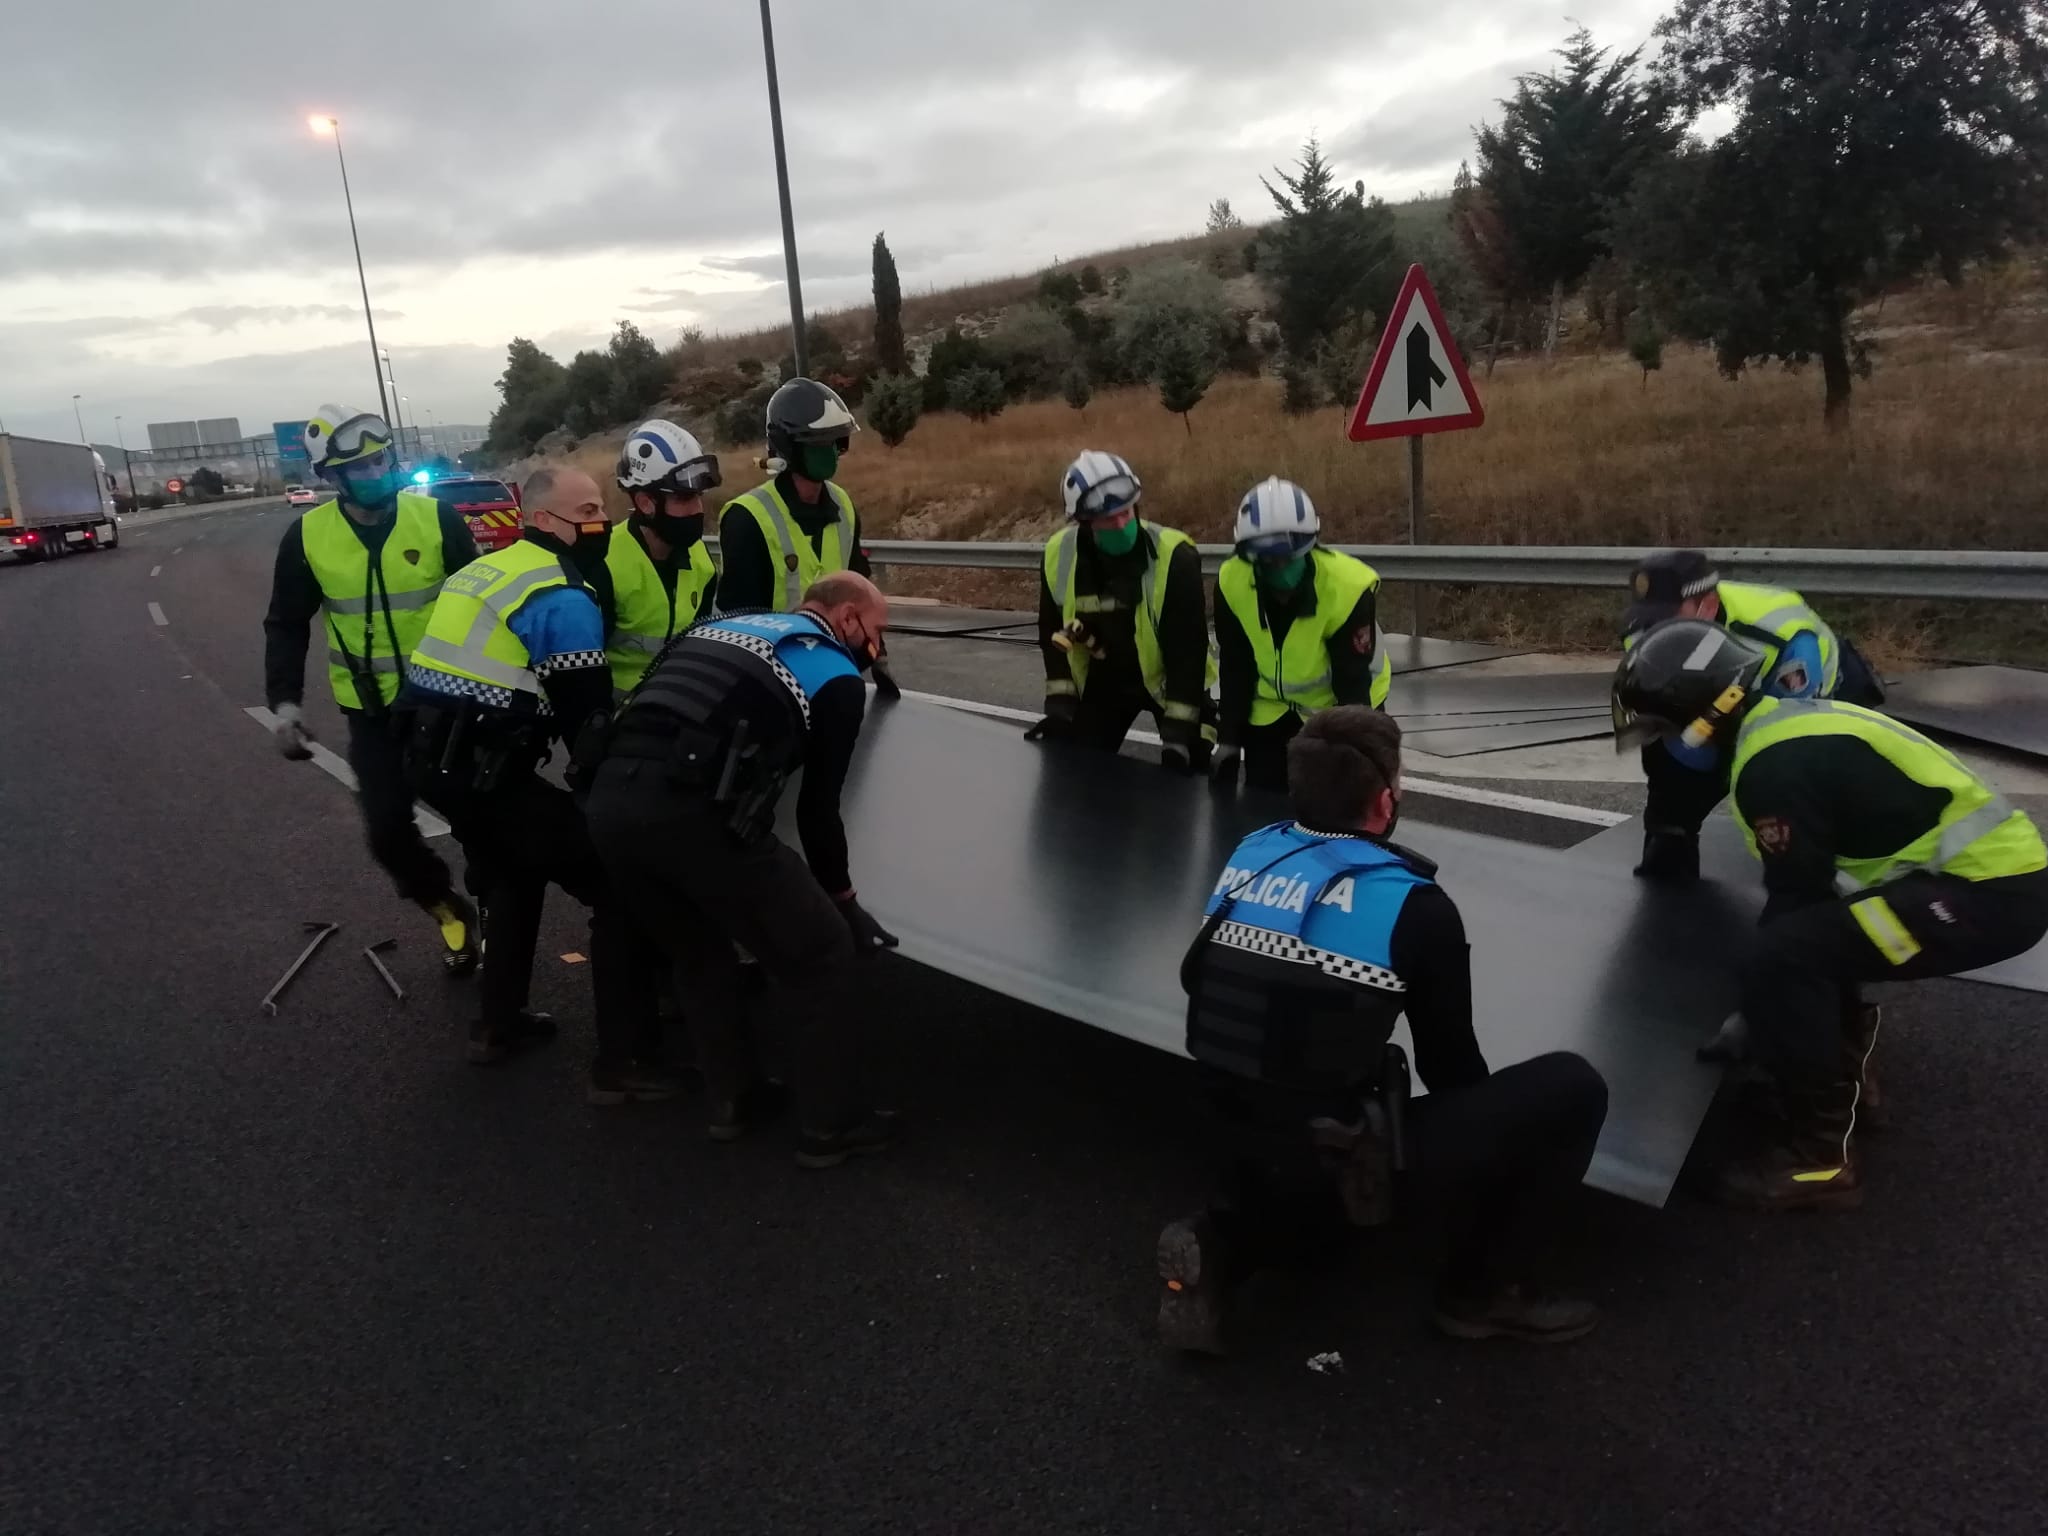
(1980, 836)
(1295, 675)
(1772, 616)
(373, 618)
(1293, 981)
(468, 636)
(791, 547)
(646, 611)
(1060, 557)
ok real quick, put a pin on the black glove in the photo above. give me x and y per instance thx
(1670, 856)
(1223, 764)
(1058, 724)
(1178, 741)
(869, 936)
(886, 687)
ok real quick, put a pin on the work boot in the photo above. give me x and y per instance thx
(625, 1082)
(1191, 1305)
(873, 1132)
(762, 1101)
(461, 933)
(1873, 1110)
(1515, 1312)
(489, 1046)
(1671, 856)
(1811, 1165)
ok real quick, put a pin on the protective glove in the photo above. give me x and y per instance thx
(1058, 724)
(886, 687)
(1223, 767)
(869, 936)
(1177, 742)
(289, 731)
(1671, 856)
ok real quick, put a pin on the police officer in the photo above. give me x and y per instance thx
(512, 662)
(1885, 859)
(370, 561)
(783, 535)
(1321, 934)
(1120, 621)
(1296, 629)
(683, 812)
(1804, 659)
(662, 576)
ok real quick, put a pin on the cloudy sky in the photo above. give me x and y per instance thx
(173, 242)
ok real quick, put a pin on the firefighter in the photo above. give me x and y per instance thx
(662, 577)
(369, 561)
(1297, 630)
(1120, 622)
(1804, 659)
(784, 534)
(1885, 859)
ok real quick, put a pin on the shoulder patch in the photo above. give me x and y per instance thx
(1773, 834)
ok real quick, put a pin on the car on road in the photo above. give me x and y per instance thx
(490, 507)
(299, 496)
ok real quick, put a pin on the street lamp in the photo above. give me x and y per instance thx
(126, 462)
(406, 400)
(397, 421)
(332, 125)
(78, 417)
(796, 293)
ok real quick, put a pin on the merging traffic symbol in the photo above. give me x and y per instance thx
(1417, 382)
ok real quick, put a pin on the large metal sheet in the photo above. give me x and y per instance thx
(1423, 653)
(2002, 706)
(1726, 861)
(1074, 881)
(1500, 735)
(1459, 692)
(920, 620)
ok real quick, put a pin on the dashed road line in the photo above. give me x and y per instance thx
(156, 570)
(338, 769)
(156, 613)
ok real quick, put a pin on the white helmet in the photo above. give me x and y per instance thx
(338, 435)
(1100, 484)
(1275, 520)
(661, 456)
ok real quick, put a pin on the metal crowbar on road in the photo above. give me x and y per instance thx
(370, 954)
(269, 1004)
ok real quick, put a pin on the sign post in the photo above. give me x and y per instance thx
(1417, 385)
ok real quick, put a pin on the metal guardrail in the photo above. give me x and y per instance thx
(1945, 575)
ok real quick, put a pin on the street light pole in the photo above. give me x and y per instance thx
(397, 419)
(127, 462)
(796, 292)
(333, 125)
(78, 416)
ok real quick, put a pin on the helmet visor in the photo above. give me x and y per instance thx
(1633, 732)
(1276, 546)
(693, 477)
(1106, 498)
(357, 439)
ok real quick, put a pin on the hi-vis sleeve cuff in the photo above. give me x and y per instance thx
(1056, 688)
(1881, 925)
(1174, 711)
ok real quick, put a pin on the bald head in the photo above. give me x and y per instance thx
(854, 607)
(563, 501)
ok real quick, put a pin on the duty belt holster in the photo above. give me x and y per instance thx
(727, 770)
(1363, 1156)
(456, 744)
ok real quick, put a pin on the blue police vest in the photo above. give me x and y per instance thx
(1292, 982)
(799, 648)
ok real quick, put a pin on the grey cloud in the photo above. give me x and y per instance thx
(232, 317)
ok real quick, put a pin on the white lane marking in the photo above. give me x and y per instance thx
(179, 550)
(156, 570)
(156, 612)
(1559, 810)
(337, 768)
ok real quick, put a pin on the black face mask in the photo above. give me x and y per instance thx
(678, 532)
(586, 554)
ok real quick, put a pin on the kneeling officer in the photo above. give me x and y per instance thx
(683, 812)
(1320, 936)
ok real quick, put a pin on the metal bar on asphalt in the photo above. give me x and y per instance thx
(1946, 575)
(391, 981)
(269, 1003)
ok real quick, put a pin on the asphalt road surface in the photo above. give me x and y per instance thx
(314, 1274)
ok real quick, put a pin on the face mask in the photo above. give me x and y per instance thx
(678, 533)
(865, 651)
(593, 540)
(1283, 575)
(1116, 541)
(374, 493)
(817, 461)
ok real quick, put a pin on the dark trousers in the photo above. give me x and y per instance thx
(1105, 717)
(1265, 752)
(384, 793)
(697, 891)
(522, 836)
(1680, 799)
(1801, 979)
(1492, 1163)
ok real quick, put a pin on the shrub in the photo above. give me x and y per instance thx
(1032, 349)
(1076, 388)
(977, 393)
(895, 401)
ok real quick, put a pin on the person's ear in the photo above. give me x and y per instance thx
(1382, 809)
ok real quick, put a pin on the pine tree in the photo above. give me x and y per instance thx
(977, 393)
(1329, 250)
(1077, 389)
(890, 356)
(532, 400)
(1185, 367)
(894, 403)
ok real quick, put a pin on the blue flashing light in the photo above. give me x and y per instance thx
(421, 477)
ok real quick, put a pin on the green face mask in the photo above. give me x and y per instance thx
(816, 461)
(1115, 541)
(1283, 575)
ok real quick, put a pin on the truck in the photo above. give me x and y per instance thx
(54, 498)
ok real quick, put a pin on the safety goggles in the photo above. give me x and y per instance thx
(357, 438)
(1276, 547)
(1107, 499)
(373, 465)
(693, 477)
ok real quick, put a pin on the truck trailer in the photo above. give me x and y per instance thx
(54, 498)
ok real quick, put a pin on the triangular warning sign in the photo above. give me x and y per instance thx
(1417, 382)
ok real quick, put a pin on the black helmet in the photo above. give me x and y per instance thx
(1682, 677)
(805, 411)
